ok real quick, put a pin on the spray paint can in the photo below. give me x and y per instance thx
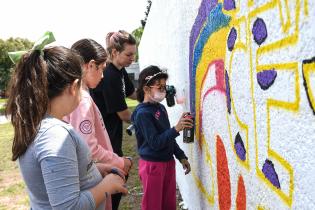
(188, 133)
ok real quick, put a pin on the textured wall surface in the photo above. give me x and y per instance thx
(247, 71)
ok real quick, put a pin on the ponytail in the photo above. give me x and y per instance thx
(117, 40)
(28, 99)
(38, 77)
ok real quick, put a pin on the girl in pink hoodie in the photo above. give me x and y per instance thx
(86, 118)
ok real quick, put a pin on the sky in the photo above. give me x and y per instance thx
(69, 20)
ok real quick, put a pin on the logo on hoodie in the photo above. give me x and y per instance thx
(86, 127)
(157, 114)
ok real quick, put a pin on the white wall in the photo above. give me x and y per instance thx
(262, 90)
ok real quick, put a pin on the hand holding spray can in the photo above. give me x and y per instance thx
(188, 133)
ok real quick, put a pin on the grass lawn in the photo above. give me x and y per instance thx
(2, 103)
(131, 103)
(12, 188)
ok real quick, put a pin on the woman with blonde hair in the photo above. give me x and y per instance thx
(111, 92)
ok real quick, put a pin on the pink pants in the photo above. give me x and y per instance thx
(159, 185)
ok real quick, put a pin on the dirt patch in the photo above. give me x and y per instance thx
(132, 201)
(13, 193)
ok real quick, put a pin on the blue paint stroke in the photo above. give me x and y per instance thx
(204, 10)
(215, 21)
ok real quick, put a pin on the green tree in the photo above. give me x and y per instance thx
(137, 34)
(144, 21)
(6, 65)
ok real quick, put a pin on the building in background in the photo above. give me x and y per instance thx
(133, 73)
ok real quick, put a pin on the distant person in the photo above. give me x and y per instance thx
(115, 86)
(86, 118)
(54, 160)
(156, 142)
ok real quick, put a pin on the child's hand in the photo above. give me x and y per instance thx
(186, 165)
(114, 184)
(127, 164)
(184, 122)
(105, 169)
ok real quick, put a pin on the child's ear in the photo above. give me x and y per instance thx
(146, 89)
(91, 63)
(75, 86)
(114, 52)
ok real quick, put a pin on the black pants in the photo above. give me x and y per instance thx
(116, 200)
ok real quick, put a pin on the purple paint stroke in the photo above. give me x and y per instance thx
(231, 39)
(266, 78)
(270, 173)
(227, 89)
(229, 4)
(204, 9)
(239, 147)
(259, 31)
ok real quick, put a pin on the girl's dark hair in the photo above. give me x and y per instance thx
(89, 49)
(38, 77)
(147, 77)
(116, 40)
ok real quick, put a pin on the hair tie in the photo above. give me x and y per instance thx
(44, 40)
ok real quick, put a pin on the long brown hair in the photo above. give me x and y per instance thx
(38, 77)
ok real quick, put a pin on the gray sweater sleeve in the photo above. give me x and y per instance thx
(57, 153)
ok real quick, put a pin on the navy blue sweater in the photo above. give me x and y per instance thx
(155, 138)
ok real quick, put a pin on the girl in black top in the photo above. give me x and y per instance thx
(115, 86)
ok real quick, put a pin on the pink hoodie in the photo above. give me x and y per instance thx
(87, 120)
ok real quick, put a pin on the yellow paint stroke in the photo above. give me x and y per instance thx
(250, 3)
(210, 53)
(290, 40)
(309, 68)
(237, 24)
(243, 126)
(209, 196)
(261, 207)
(272, 4)
(306, 7)
(291, 106)
(287, 25)
(232, 13)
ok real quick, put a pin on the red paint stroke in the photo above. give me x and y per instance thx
(223, 176)
(219, 86)
(241, 194)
